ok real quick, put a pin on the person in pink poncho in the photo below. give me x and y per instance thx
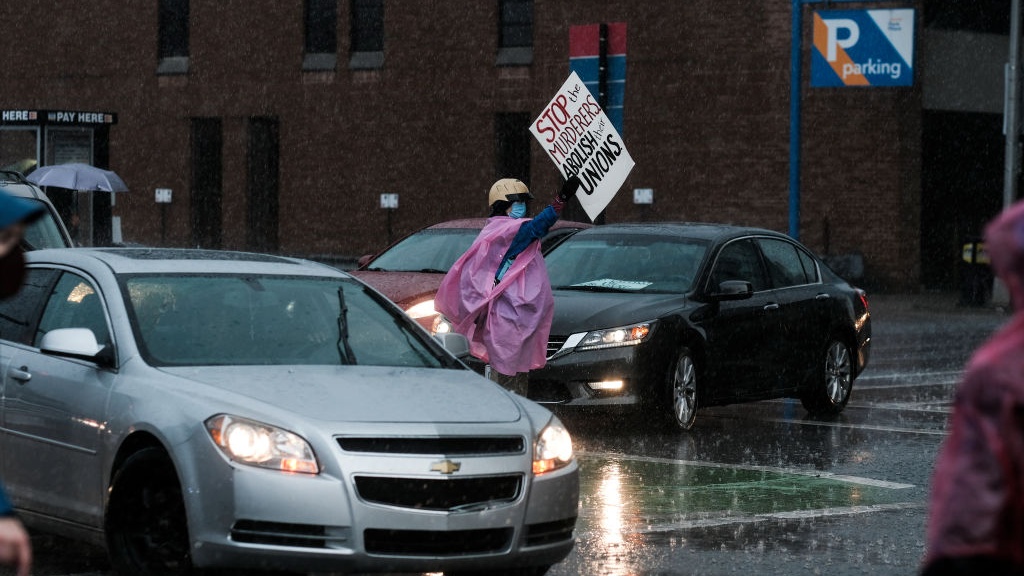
(498, 294)
(976, 514)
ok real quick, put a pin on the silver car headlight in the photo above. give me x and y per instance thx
(257, 444)
(552, 449)
(612, 337)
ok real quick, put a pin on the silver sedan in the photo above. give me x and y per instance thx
(200, 409)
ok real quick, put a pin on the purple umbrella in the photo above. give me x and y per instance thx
(78, 176)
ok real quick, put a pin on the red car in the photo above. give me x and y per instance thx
(409, 271)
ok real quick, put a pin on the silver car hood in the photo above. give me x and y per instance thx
(365, 393)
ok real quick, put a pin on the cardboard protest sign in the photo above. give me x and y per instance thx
(581, 140)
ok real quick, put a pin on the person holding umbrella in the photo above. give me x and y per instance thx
(15, 214)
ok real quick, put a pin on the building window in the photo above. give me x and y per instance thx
(321, 24)
(263, 182)
(515, 32)
(512, 145)
(172, 48)
(367, 34)
(207, 175)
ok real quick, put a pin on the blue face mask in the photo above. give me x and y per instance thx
(518, 210)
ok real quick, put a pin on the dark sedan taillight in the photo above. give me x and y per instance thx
(863, 297)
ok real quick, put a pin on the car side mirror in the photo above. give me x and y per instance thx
(364, 260)
(733, 290)
(77, 343)
(454, 342)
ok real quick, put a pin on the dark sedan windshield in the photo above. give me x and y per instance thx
(186, 320)
(634, 263)
(430, 250)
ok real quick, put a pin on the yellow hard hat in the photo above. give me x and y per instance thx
(510, 190)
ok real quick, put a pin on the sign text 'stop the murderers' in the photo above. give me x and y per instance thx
(580, 139)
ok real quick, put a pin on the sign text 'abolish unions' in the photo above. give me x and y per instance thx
(581, 140)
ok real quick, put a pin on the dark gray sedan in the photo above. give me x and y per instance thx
(195, 409)
(672, 317)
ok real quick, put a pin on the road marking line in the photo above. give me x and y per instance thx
(900, 375)
(778, 470)
(795, 515)
(859, 426)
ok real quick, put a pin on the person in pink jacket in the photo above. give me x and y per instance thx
(498, 294)
(976, 514)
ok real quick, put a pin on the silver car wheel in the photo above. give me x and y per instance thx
(684, 391)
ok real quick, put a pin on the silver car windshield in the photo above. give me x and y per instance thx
(652, 264)
(217, 320)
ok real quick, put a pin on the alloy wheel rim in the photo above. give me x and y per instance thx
(684, 385)
(837, 373)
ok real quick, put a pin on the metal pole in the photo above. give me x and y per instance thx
(1012, 105)
(794, 120)
(602, 84)
(1000, 293)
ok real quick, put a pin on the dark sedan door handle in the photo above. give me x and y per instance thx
(21, 375)
(770, 307)
(823, 296)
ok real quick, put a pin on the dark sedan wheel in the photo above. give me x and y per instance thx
(147, 532)
(831, 391)
(683, 390)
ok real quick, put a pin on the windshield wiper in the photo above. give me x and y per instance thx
(595, 289)
(344, 350)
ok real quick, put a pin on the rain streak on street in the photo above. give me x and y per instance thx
(760, 488)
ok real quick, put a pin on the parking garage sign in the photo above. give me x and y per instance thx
(863, 48)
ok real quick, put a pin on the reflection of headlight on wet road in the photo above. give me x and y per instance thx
(422, 310)
(610, 505)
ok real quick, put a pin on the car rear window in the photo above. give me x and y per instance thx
(44, 232)
(430, 250)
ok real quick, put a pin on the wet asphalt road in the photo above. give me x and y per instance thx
(761, 488)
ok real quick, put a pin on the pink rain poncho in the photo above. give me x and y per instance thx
(508, 323)
(977, 499)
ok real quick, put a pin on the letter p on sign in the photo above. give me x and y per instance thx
(834, 26)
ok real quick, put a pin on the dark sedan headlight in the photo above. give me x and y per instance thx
(612, 337)
(552, 449)
(257, 444)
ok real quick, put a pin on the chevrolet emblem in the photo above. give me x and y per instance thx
(445, 467)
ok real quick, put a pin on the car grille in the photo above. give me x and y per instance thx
(447, 446)
(439, 494)
(435, 543)
(550, 532)
(282, 534)
(555, 344)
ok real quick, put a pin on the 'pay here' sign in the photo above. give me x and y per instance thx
(579, 138)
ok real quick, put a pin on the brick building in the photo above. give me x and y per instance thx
(279, 124)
